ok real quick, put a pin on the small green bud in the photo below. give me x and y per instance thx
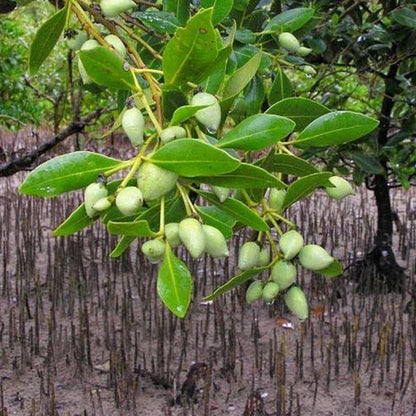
(129, 200)
(264, 257)
(88, 45)
(296, 302)
(94, 192)
(254, 291)
(101, 205)
(289, 42)
(284, 274)
(75, 42)
(133, 124)
(309, 70)
(248, 255)
(270, 291)
(215, 244)
(303, 51)
(276, 198)
(290, 243)
(117, 44)
(112, 8)
(154, 250)
(341, 189)
(172, 234)
(172, 133)
(210, 116)
(192, 236)
(314, 257)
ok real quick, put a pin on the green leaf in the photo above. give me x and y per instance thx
(405, 17)
(368, 163)
(185, 112)
(301, 110)
(238, 81)
(214, 216)
(191, 157)
(237, 210)
(45, 39)
(191, 51)
(172, 98)
(106, 68)
(281, 87)
(66, 173)
(333, 270)
(290, 20)
(174, 284)
(132, 229)
(159, 21)
(257, 132)
(234, 282)
(335, 128)
(221, 9)
(292, 165)
(180, 8)
(77, 221)
(122, 246)
(244, 177)
(305, 186)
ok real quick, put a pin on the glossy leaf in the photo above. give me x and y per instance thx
(174, 284)
(122, 246)
(184, 113)
(191, 51)
(106, 68)
(244, 177)
(180, 8)
(221, 9)
(257, 132)
(191, 157)
(404, 17)
(214, 216)
(132, 229)
(234, 282)
(290, 20)
(45, 39)
(335, 128)
(66, 173)
(368, 163)
(159, 21)
(292, 165)
(301, 110)
(172, 99)
(237, 210)
(333, 270)
(77, 221)
(281, 87)
(305, 186)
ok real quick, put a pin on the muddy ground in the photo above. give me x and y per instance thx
(83, 334)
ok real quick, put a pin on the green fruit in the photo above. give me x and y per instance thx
(172, 234)
(309, 70)
(93, 192)
(154, 181)
(290, 243)
(270, 291)
(215, 244)
(341, 189)
(154, 250)
(296, 302)
(172, 133)
(254, 291)
(276, 199)
(289, 42)
(248, 256)
(88, 45)
(192, 236)
(129, 200)
(314, 257)
(210, 117)
(133, 124)
(283, 273)
(117, 44)
(303, 51)
(77, 41)
(221, 193)
(101, 205)
(112, 8)
(264, 257)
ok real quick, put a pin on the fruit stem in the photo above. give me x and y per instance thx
(119, 167)
(189, 207)
(147, 70)
(283, 148)
(250, 203)
(83, 18)
(274, 223)
(272, 244)
(162, 217)
(285, 220)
